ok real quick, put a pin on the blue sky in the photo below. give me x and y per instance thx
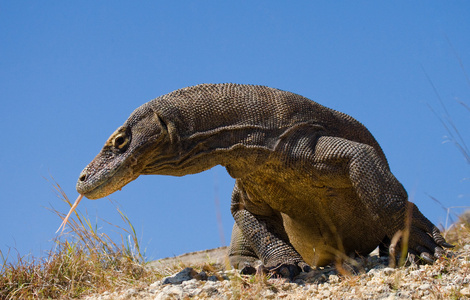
(72, 72)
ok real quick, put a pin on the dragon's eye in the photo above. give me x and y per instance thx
(120, 141)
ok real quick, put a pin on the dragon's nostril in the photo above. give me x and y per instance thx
(82, 177)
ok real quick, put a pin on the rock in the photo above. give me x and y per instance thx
(425, 286)
(194, 292)
(190, 284)
(185, 275)
(129, 293)
(416, 273)
(269, 295)
(326, 294)
(213, 278)
(156, 284)
(465, 292)
(210, 288)
(333, 279)
(201, 276)
(218, 277)
(170, 292)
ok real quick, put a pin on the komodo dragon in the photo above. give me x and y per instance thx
(310, 182)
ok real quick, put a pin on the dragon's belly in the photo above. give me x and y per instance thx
(320, 221)
(319, 243)
(332, 222)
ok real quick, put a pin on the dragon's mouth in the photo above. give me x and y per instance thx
(105, 182)
(89, 183)
(118, 178)
(106, 187)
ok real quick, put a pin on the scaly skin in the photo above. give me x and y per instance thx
(311, 182)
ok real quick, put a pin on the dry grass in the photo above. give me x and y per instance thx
(447, 278)
(85, 262)
(82, 261)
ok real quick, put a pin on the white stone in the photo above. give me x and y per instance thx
(425, 286)
(465, 291)
(170, 292)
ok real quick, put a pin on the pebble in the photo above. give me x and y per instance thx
(445, 279)
(465, 291)
(425, 286)
(170, 291)
(186, 274)
(269, 295)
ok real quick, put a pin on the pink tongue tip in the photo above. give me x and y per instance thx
(72, 209)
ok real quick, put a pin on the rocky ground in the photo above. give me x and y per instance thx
(203, 275)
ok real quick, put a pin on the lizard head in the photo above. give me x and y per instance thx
(125, 154)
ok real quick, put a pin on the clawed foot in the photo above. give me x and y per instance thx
(428, 245)
(281, 270)
(425, 244)
(285, 270)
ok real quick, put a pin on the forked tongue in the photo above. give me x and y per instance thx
(72, 209)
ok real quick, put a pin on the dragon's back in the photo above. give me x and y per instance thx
(205, 107)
